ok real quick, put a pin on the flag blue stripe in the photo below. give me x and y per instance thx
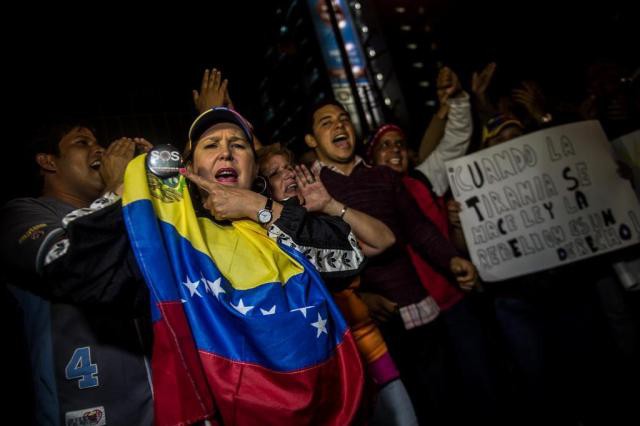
(286, 340)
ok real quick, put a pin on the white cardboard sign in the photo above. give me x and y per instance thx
(543, 200)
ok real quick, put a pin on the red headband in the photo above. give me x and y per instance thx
(377, 136)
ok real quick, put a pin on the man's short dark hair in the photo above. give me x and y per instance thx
(43, 138)
(308, 124)
(47, 136)
(46, 139)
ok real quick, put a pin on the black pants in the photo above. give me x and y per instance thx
(420, 355)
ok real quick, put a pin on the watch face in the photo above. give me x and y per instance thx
(264, 216)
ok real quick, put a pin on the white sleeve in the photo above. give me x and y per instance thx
(102, 202)
(325, 260)
(54, 246)
(454, 144)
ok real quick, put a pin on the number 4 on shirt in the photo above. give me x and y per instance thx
(80, 367)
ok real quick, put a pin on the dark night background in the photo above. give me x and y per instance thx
(132, 73)
(112, 65)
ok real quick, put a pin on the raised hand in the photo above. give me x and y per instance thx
(213, 92)
(313, 192)
(480, 81)
(531, 98)
(448, 85)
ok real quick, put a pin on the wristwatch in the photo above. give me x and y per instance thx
(265, 215)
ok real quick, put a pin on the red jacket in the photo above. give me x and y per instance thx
(433, 207)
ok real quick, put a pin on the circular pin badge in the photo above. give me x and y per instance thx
(164, 161)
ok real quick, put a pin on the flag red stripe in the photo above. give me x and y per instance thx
(326, 394)
(181, 393)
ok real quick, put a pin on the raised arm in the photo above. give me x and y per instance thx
(374, 236)
(456, 137)
(448, 85)
(213, 92)
(480, 82)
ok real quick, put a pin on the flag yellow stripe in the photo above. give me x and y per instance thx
(242, 251)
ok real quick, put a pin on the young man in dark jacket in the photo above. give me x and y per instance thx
(67, 262)
(390, 285)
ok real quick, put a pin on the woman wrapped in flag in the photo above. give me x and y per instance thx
(245, 330)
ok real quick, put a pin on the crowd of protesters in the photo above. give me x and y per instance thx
(441, 347)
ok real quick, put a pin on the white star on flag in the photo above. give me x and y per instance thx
(302, 310)
(241, 308)
(213, 286)
(193, 287)
(320, 325)
(269, 312)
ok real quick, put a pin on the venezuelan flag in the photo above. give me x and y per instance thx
(244, 329)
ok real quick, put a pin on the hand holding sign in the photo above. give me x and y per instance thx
(465, 273)
(453, 212)
(542, 200)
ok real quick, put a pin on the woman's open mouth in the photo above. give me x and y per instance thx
(226, 175)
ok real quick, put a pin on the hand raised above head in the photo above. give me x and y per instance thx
(480, 81)
(448, 85)
(531, 98)
(213, 92)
